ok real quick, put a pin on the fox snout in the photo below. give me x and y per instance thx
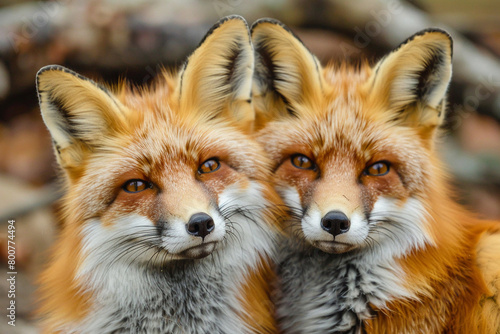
(200, 225)
(335, 223)
(337, 230)
(193, 229)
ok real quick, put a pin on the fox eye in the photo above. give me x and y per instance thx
(209, 166)
(378, 169)
(136, 185)
(302, 162)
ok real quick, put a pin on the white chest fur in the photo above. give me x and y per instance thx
(332, 293)
(133, 295)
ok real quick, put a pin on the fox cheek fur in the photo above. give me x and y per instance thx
(376, 243)
(168, 217)
(343, 164)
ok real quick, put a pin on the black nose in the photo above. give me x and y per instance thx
(335, 223)
(200, 225)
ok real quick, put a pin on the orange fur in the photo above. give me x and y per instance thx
(257, 292)
(256, 295)
(66, 302)
(161, 135)
(350, 117)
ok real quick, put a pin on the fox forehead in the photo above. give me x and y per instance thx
(342, 123)
(347, 127)
(166, 150)
(158, 130)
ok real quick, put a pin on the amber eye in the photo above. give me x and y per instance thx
(209, 166)
(378, 169)
(302, 162)
(136, 185)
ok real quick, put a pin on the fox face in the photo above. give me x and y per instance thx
(168, 213)
(167, 195)
(353, 147)
(166, 167)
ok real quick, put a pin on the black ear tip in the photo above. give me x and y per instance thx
(438, 31)
(283, 26)
(59, 68)
(221, 22)
(442, 32)
(226, 19)
(267, 20)
(448, 36)
(44, 69)
(278, 23)
(232, 17)
(425, 32)
(431, 31)
(52, 68)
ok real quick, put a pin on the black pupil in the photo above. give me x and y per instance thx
(302, 160)
(210, 165)
(380, 168)
(137, 184)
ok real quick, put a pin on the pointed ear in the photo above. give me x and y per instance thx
(413, 80)
(287, 77)
(216, 80)
(78, 113)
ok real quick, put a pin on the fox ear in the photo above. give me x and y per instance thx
(217, 78)
(414, 79)
(287, 76)
(78, 113)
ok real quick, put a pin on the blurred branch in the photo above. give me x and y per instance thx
(91, 34)
(31, 201)
(471, 168)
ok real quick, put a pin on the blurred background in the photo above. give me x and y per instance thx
(112, 39)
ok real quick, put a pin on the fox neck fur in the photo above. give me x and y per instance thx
(184, 296)
(377, 290)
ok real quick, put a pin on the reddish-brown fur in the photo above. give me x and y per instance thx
(160, 134)
(345, 118)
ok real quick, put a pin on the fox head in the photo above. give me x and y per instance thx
(165, 172)
(353, 147)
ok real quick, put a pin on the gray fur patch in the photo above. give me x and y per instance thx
(181, 299)
(327, 293)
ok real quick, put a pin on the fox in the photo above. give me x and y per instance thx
(375, 240)
(169, 217)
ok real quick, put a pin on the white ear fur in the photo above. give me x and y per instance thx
(217, 78)
(285, 69)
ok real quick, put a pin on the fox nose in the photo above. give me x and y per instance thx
(200, 225)
(335, 223)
